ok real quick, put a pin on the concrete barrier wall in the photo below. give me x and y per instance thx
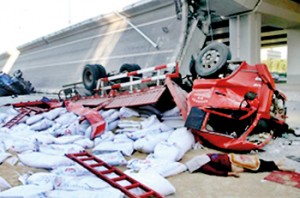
(59, 58)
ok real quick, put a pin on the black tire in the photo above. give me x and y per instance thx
(212, 60)
(101, 70)
(129, 68)
(90, 75)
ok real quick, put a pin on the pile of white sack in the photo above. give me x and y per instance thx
(42, 140)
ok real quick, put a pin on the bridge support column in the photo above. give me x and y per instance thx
(245, 37)
(293, 58)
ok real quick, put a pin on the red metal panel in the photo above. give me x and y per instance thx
(94, 118)
(179, 96)
(149, 96)
(92, 101)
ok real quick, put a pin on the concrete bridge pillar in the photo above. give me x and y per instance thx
(244, 37)
(293, 56)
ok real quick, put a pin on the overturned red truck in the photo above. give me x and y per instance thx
(229, 105)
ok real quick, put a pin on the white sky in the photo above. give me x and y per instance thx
(22, 21)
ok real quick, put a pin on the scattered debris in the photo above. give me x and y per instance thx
(286, 178)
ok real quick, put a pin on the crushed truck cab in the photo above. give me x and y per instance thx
(240, 112)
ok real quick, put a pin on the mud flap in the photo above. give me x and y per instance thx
(195, 119)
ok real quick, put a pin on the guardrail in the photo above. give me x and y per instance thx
(132, 75)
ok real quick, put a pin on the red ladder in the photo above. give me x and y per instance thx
(83, 157)
(23, 112)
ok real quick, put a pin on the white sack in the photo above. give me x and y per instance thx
(75, 170)
(60, 149)
(106, 136)
(54, 113)
(79, 183)
(34, 119)
(66, 119)
(106, 192)
(143, 132)
(125, 112)
(85, 143)
(172, 112)
(3, 117)
(26, 191)
(112, 125)
(40, 160)
(41, 178)
(112, 117)
(126, 148)
(150, 122)
(4, 184)
(114, 158)
(83, 126)
(43, 138)
(4, 156)
(167, 151)
(129, 124)
(106, 114)
(67, 139)
(19, 145)
(121, 138)
(2, 146)
(41, 125)
(148, 143)
(72, 129)
(165, 168)
(154, 181)
(183, 139)
(176, 122)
